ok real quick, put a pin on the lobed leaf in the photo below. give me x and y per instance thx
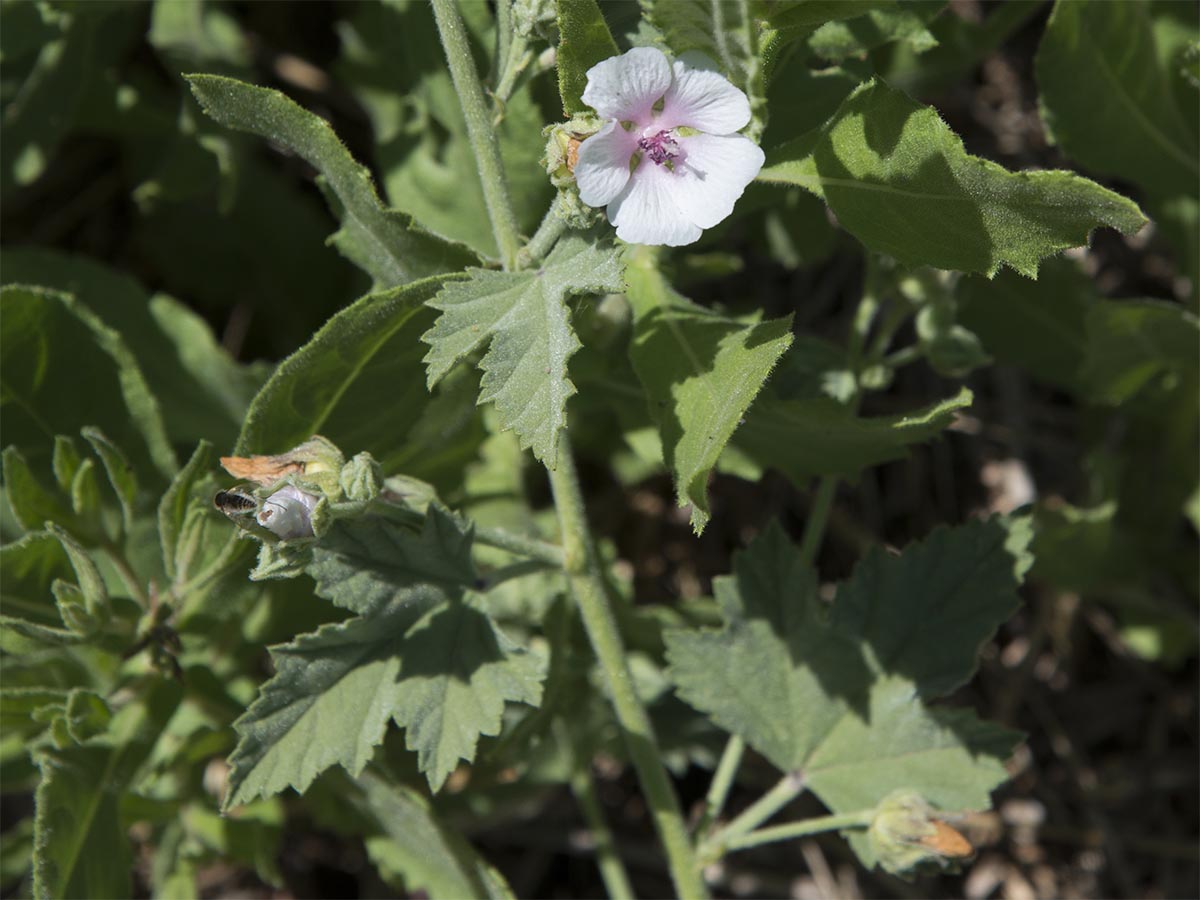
(841, 699)
(388, 245)
(900, 181)
(524, 319)
(700, 372)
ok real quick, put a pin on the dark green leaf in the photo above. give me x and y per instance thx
(387, 244)
(1126, 123)
(335, 383)
(900, 181)
(807, 437)
(61, 368)
(584, 40)
(174, 506)
(1132, 342)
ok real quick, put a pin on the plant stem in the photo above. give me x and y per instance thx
(791, 830)
(543, 240)
(722, 781)
(582, 567)
(818, 515)
(530, 548)
(128, 576)
(612, 870)
(479, 130)
(784, 792)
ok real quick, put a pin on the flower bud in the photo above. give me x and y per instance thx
(907, 835)
(287, 513)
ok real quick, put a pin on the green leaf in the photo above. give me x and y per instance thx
(458, 671)
(1131, 343)
(386, 244)
(841, 698)
(174, 505)
(1038, 326)
(900, 181)
(334, 384)
(523, 316)
(120, 473)
(201, 391)
(27, 569)
(32, 504)
(1127, 123)
(700, 371)
(818, 436)
(417, 853)
(80, 846)
(584, 40)
(368, 563)
(861, 34)
(91, 584)
(62, 368)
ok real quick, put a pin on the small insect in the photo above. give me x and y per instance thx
(235, 502)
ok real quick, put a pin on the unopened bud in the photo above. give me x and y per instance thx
(287, 513)
(906, 834)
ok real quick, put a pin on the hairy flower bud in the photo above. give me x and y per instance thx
(906, 834)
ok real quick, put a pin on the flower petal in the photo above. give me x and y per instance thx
(702, 98)
(713, 175)
(646, 212)
(602, 169)
(626, 87)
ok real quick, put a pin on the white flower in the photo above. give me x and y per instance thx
(667, 163)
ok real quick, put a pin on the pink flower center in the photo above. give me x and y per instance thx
(662, 147)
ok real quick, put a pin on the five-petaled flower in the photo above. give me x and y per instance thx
(667, 164)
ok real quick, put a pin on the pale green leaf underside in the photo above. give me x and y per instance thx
(900, 181)
(818, 436)
(841, 699)
(700, 371)
(387, 244)
(584, 40)
(524, 318)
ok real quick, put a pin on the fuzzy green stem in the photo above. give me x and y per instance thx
(479, 130)
(612, 870)
(722, 781)
(552, 228)
(582, 567)
(784, 792)
(792, 830)
(530, 548)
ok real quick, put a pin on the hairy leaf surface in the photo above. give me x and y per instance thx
(900, 181)
(524, 319)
